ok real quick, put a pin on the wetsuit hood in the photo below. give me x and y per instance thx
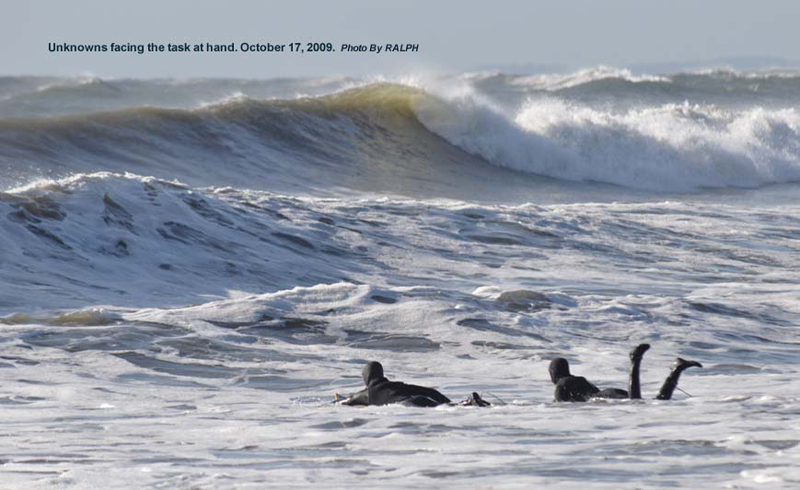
(559, 368)
(372, 371)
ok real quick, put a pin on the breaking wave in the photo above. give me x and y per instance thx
(375, 134)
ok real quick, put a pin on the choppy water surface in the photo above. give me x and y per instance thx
(189, 270)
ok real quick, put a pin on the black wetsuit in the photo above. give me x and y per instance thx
(569, 388)
(579, 389)
(381, 391)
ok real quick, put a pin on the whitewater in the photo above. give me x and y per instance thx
(190, 270)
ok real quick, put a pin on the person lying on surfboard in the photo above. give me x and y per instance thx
(381, 391)
(569, 388)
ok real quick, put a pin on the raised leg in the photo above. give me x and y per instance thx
(634, 387)
(665, 393)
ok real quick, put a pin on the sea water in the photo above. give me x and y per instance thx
(191, 269)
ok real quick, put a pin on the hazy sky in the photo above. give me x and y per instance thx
(453, 35)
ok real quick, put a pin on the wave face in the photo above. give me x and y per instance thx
(666, 133)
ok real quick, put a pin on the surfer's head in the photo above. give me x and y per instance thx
(372, 371)
(559, 368)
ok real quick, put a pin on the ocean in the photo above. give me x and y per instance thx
(191, 269)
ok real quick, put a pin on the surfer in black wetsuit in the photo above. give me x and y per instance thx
(571, 388)
(381, 391)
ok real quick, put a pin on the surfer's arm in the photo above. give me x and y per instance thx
(360, 398)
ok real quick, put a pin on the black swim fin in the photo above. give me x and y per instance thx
(672, 380)
(475, 400)
(639, 351)
(682, 364)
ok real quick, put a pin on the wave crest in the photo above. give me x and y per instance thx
(368, 137)
(673, 147)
